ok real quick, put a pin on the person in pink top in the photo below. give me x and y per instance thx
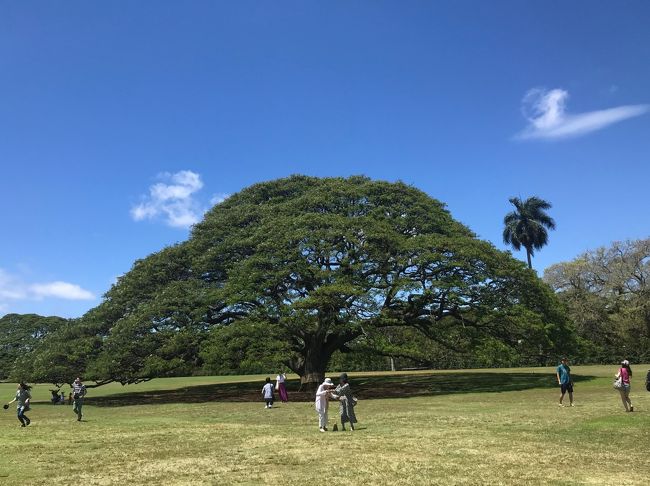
(625, 373)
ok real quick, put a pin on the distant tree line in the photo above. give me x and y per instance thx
(607, 296)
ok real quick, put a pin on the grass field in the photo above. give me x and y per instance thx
(467, 427)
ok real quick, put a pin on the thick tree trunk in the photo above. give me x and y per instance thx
(315, 354)
(311, 366)
(315, 364)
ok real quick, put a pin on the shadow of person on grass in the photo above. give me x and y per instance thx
(366, 388)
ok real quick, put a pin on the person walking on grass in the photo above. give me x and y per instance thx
(563, 374)
(78, 394)
(267, 393)
(282, 389)
(23, 396)
(322, 403)
(343, 393)
(625, 374)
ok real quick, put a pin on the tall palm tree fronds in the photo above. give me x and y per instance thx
(527, 225)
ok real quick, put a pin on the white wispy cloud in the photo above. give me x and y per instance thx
(547, 117)
(14, 288)
(60, 290)
(173, 200)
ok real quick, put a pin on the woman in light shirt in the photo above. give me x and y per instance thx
(279, 385)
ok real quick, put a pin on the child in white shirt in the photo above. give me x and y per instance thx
(267, 393)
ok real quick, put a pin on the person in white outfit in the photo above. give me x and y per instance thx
(322, 403)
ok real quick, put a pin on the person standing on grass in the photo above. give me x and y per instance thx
(23, 396)
(267, 393)
(625, 374)
(282, 389)
(322, 403)
(78, 394)
(563, 374)
(343, 393)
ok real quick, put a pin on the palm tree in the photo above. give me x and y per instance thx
(526, 225)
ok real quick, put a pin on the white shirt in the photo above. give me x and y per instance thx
(280, 379)
(268, 390)
(321, 398)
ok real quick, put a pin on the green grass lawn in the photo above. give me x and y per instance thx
(437, 428)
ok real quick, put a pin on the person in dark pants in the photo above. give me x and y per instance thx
(78, 393)
(23, 396)
(563, 374)
(267, 392)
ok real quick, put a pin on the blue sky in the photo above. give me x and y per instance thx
(121, 121)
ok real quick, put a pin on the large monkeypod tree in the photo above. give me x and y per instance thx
(323, 261)
(296, 269)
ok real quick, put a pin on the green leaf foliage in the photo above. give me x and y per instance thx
(245, 348)
(20, 334)
(607, 294)
(62, 356)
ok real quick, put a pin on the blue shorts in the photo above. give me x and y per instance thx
(567, 387)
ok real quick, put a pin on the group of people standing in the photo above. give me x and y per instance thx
(343, 393)
(23, 397)
(326, 391)
(623, 376)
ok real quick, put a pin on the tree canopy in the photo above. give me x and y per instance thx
(289, 272)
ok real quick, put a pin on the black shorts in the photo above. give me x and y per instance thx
(567, 387)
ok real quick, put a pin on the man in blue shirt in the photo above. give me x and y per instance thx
(563, 374)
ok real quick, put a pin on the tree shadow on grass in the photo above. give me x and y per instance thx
(366, 388)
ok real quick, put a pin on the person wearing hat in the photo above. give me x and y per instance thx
(322, 403)
(78, 393)
(343, 393)
(625, 373)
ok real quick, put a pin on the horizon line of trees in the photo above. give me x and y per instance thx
(606, 292)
